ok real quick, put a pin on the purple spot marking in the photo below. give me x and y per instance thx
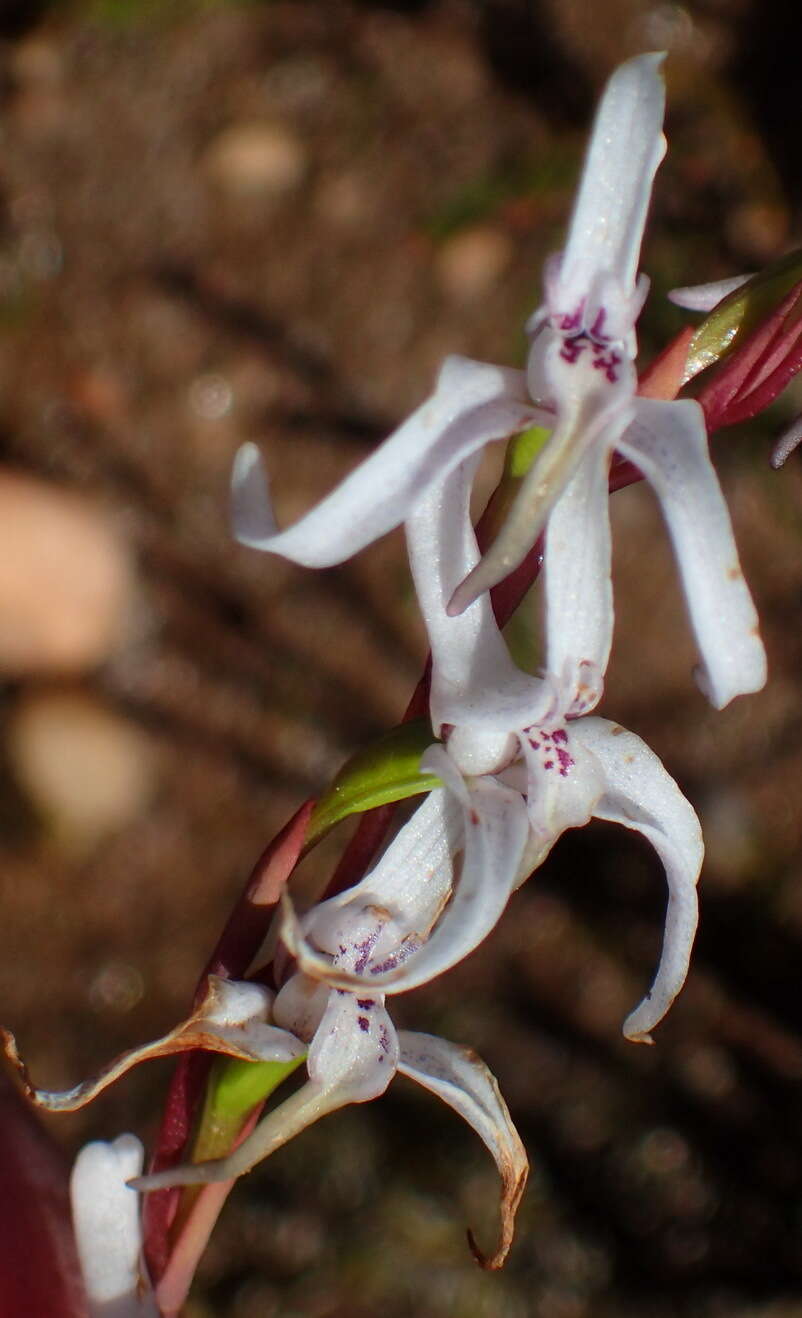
(367, 1004)
(560, 735)
(572, 349)
(607, 363)
(363, 1023)
(364, 949)
(596, 329)
(534, 744)
(573, 320)
(389, 964)
(548, 764)
(384, 1039)
(566, 762)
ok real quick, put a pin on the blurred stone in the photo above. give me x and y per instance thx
(36, 60)
(346, 200)
(470, 263)
(86, 769)
(65, 579)
(256, 159)
(758, 229)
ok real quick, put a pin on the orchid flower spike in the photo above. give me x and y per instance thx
(580, 384)
(107, 1230)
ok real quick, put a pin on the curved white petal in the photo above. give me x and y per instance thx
(410, 884)
(462, 1080)
(668, 442)
(578, 584)
(625, 150)
(231, 1019)
(472, 405)
(108, 1236)
(474, 680)
(641, 795)
(496, 829)
(704, 297)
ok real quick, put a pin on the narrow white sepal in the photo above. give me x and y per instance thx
(578, 584)
(473, 404)
(474, 680)
(300, 1110)
(704, 297)
(625, 151)
(642, 795)
(789, 440)
(462, 1080)
(668, 442)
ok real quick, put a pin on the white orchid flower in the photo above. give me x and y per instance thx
(518, 768)
(354, 1050)
(108, 1233)
(580, 384)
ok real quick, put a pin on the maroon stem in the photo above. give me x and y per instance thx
(39, 1272)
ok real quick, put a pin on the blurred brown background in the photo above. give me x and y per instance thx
(270, 221)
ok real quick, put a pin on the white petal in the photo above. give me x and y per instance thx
(564, 781)
(410, 883)
(610, 211)
(299, 1006)
(667, 441)
(474, 680)
(230, 1020)
(355, 1047)
(472, 405)
(300, 1110)
(391, 911)
(462, 1080)
(107, 1230)
(641, 795)
(496, 829)
(789, 440)
(593, 410)
(578, 585)
(704, 297)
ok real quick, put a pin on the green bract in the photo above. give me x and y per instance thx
(742, 311)
(387, 771)
(235, 1088)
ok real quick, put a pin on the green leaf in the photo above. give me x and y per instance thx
(387, 771)
(741, 312)
(235, 1088)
